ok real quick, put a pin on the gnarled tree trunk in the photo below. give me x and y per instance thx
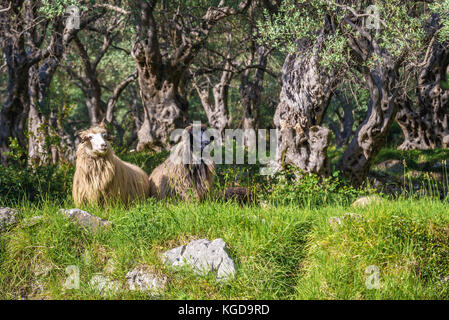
(164, 108)
(371, 135)
(251, 89)
(217, 112)
(14, 111)
(305, 95)
(414, 125)
(47, 141)
(433, 99)
(426, 126)
(162, 61)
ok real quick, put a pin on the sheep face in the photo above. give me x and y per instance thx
(95, 141)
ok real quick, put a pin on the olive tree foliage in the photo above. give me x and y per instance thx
(328, 43)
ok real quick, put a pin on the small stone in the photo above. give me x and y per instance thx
(42, 270)
(203, 256)
(142, 278)
(86, 219)
(8, 217)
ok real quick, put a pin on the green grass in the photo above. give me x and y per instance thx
(415, 159)
(283, 248)
(282, 252)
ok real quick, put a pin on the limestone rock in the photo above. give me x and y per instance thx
(8, 217)
(142, 278)
(203, 256)
(86, 219)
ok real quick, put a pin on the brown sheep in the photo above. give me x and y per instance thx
(179, 176)
(101, 176)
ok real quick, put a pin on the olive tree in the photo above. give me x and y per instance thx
(329, 41)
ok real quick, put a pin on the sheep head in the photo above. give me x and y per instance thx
(95, 141)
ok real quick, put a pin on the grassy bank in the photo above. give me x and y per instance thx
(280, 252)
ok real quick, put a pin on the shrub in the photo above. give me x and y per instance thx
(293, 186)
(53, 182)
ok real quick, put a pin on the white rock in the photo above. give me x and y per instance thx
(143, 279)
(8, 217)
(86, 219)
(203, 256)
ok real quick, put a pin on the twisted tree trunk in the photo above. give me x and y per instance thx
(47, 140)
(217, 112)
(38, 126)
(13, 114)
(251, 90)
(433, 99)
(164, 108)
(415, 127)
(162, 66)
(371, 135)
(426, 126)
(305, 95)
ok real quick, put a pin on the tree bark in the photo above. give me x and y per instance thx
(13, 114)
(305, 95)
(217, 112)
(164, 107)
(342, 128)
(415, 127)
(371, 135)
(432, 98)
(251, 90)
(426, 126)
